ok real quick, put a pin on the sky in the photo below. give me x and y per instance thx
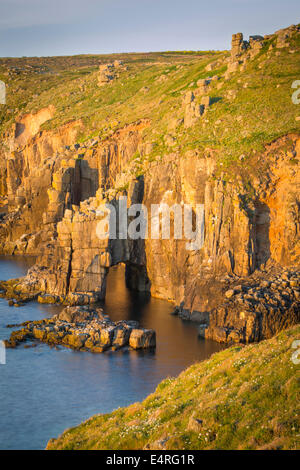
(67, 27)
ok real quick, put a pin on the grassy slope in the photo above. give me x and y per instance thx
(247, 398)
(35, 82)
(262, 110)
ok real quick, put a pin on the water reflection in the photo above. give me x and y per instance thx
(45, 390)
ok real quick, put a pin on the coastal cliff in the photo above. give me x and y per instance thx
(196, 133)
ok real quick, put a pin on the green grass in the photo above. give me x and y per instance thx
(246, 397)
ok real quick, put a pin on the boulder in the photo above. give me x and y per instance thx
(89, 343)
(77, 314)
(195, 424)
(107, 335)
(206, 101)
(229, 293)
(53, 337)
(40, 334)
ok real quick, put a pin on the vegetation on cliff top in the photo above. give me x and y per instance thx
(241, 398)
(249, 109)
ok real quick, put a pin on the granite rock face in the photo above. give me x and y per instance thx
(85, 329)
(242, 236)
(256, 309)
(249, 222)
(108, 72)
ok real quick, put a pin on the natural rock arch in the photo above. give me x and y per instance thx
(262, 228)
(2, 92)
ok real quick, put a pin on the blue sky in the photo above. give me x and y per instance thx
(63, 27)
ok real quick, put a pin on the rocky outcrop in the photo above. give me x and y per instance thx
(246, 228)
(52, 173)
(283, 36)
(84, 329)
(53, 188)
(256, 309)
(238, 45)
(29, 173)
(108, 72)
(242, 51)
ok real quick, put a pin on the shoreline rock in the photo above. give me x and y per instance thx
(84, 329)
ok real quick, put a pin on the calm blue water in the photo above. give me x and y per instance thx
(45, 390)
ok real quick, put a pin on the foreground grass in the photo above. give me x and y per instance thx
(241, 398)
